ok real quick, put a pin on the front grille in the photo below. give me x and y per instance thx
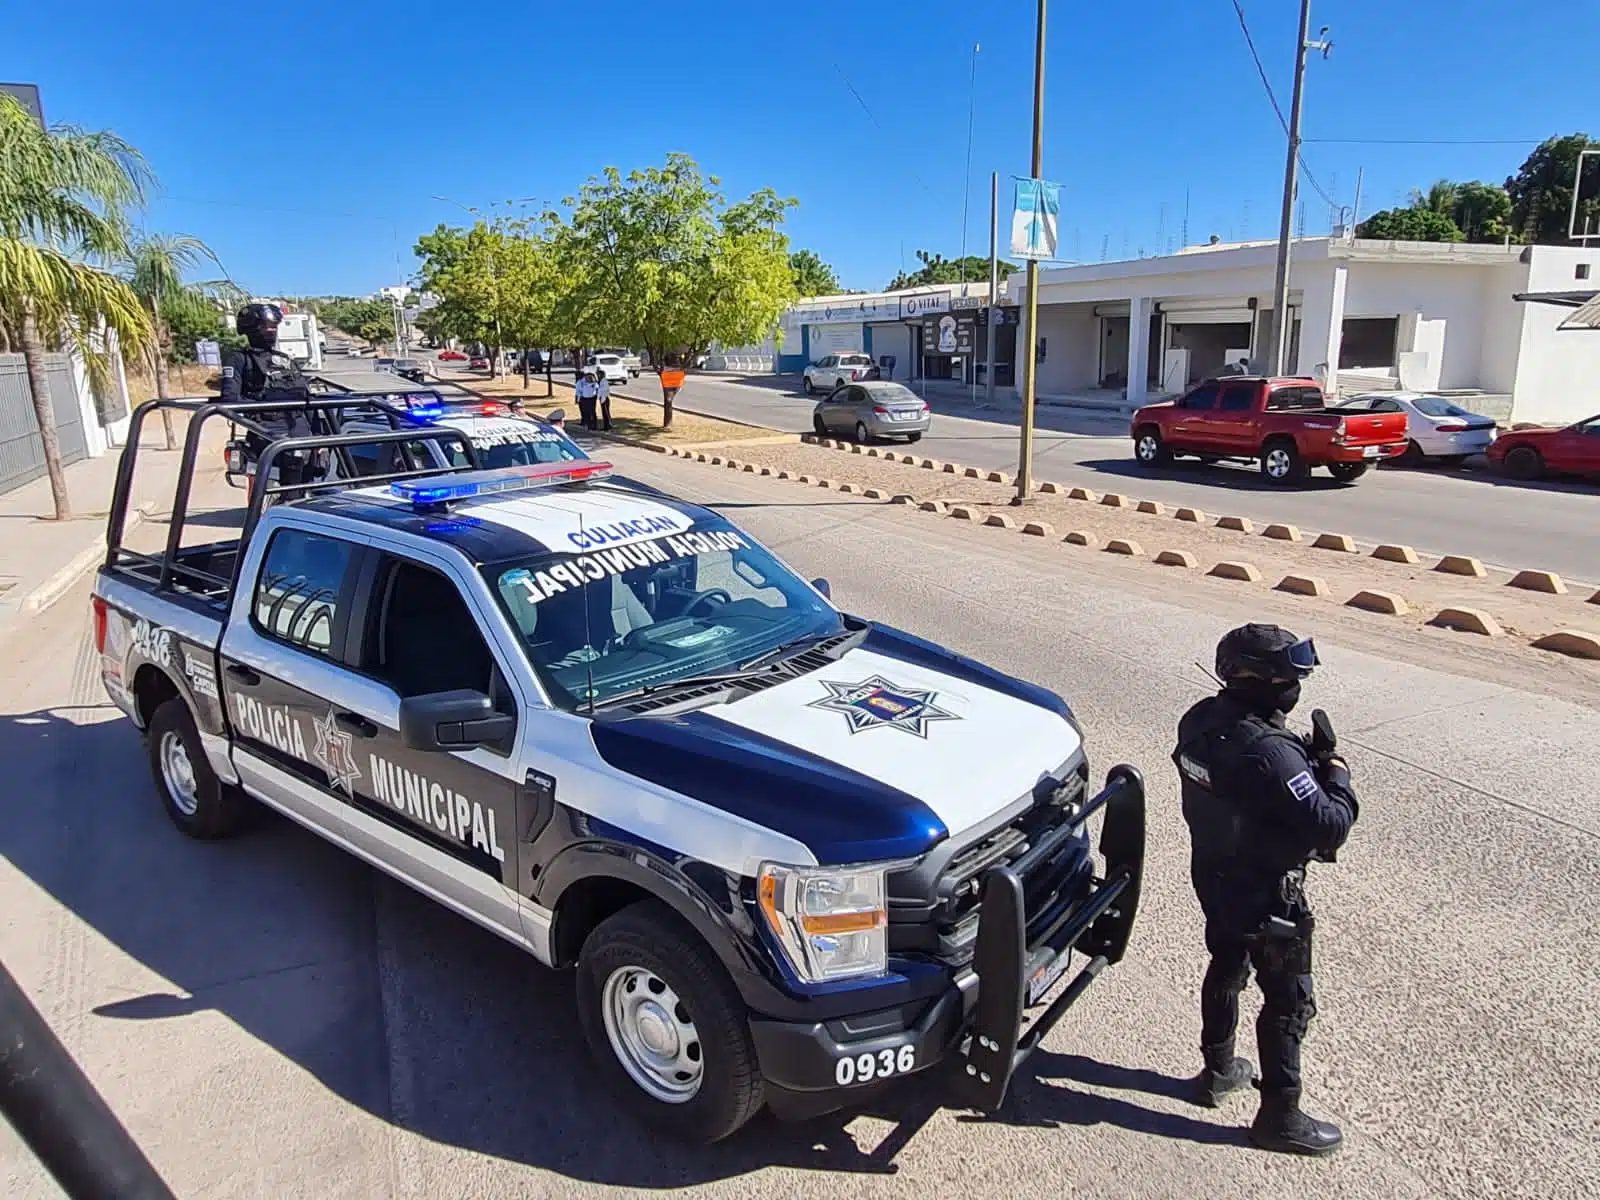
(934, 907)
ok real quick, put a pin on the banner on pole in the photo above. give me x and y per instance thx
(1035, 219)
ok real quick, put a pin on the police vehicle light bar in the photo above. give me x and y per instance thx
(424, 493)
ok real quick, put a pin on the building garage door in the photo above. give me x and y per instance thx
(21, 451)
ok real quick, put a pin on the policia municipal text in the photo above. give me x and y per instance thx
(1260, 804)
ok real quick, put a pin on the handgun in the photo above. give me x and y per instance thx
(1323, 742)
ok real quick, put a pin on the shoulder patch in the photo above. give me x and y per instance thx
(227, 372)
(1303, 786)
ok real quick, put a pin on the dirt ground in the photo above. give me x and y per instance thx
(1522, 615)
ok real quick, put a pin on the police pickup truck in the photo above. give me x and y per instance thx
(793, 854)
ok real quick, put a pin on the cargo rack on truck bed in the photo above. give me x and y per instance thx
(323, 414)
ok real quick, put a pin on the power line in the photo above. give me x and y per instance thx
(1425, 141)
(874, 120)
(1271, 96)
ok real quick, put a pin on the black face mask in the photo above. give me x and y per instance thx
(263, 339)
(1266, 697)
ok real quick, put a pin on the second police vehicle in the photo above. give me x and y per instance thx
(792, 854)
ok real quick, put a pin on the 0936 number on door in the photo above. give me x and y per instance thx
(865, 1067)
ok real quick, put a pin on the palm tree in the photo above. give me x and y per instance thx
(1440, 198)
(62, 196)
(154, 269)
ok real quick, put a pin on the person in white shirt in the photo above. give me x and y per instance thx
(587, 393)
(603, 394)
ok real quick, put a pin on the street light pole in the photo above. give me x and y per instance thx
(1278, 344)
(994, 282)
(1031, 353)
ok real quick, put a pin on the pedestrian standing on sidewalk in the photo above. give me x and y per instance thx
(603, 394)
(588, 392)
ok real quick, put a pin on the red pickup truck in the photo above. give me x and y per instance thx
(1284, 424)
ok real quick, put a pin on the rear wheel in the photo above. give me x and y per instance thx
(1149, 449)
(666, 1025)
(195, 799)
(1347, 472)
(1281, 461)
(1524, 462)
(1412, 455)
(862, 435)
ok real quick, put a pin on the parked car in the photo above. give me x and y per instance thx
(831, 370)
(872, 409)
(478, 363)
(1438, 428)
(608, 365)
(383, 364)
(1535, 453)
(1283, 424)
(630, 360)
(452, 356)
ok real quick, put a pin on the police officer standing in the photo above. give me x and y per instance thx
(263, 372)
(1260, 803)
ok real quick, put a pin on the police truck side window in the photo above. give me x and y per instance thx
(423, 637)
(298, 591)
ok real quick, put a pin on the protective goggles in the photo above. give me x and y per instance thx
(1302, 656)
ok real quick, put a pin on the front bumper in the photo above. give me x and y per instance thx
(993, 1015)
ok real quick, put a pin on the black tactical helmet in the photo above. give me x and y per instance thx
(256, 317)
(1267, 652)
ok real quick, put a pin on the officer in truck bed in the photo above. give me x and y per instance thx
(263, 372)
(1260, 804)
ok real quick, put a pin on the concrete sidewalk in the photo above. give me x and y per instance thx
(41, 558)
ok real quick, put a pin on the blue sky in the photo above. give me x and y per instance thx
(309, 165)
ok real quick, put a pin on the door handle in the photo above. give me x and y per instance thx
(356, 724)
(248, 676)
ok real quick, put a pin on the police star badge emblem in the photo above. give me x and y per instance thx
(335, 755)
(875, 702)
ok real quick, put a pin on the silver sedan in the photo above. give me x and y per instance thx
(872, 409)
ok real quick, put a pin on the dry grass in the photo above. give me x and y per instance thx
(188, 379)
(634, 419)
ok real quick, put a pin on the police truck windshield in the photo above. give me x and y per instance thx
(646, 611)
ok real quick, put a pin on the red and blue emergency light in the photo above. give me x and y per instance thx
(429, 493)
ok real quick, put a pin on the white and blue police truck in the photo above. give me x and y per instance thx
(793, 855)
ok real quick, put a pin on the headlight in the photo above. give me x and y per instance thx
(830, 921)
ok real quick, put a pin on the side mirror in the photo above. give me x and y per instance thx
(456, 720)
(822, 586)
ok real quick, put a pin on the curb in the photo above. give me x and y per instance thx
(61, 582)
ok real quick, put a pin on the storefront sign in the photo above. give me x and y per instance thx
(868, 308)
(964, 302)
(920, 305)
(949, 334)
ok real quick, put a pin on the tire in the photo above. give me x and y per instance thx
(1524, 462)
(862, 435)
(1452, 460)
(913, 438)
(197, 802)
(647, 948)
(820, 426)
(807, 386)
(1281, 462)
(1412, 457)
(1347, 472)
(1148, 448)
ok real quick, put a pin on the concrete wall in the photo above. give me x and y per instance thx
(1501, 342)
(1071, 354)
(1558, 370)
(1426, 294)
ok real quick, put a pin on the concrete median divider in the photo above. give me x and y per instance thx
(1460, 564)
(1243, 572)
(1547, 582)
(1342, 542)
(805, 479)
(1237, 524)
(997, 477)
(1595, 599)
(856, 448)
(827, 483)
(972, 473)
(933, 506)
(1153, 508)
(1572, 642)
(1081, 537)
(1388, 603)
(1000, 521)
(875, 494)
(951, 468)
(1177, 558)
(1302, 585)
(1467, 620)
(1194, 516)
(1114, 500)
(849, 489)
(963, 512)
(1051, 488)
(1039, 529)
(902, 498)
(1082, 493)
(1281, 533)
(1125, 546)
(1395, 554)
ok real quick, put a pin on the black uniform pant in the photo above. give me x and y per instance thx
(586, 411)
(1288, 1002)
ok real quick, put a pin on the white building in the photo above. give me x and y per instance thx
(1365, 315)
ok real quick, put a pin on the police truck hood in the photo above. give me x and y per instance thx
(879, 754)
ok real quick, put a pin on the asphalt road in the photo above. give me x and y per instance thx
(273, 1019)
(1544, 526)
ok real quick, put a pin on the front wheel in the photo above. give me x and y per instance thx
(1524, 462)
(1281, 462)
(807, 386)
(1347, 472)
(666, 1025)
(820, 426)
(196, 801)
(1149, 449)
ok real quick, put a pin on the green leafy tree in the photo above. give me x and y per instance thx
(63, 194)
(1409, 225)
(1440, 198)
(659, 259)
(938, 269)
(1482, 211)
(190, 323)
(1541, 191)
(812, 276)
(370, 320)
(154, 268)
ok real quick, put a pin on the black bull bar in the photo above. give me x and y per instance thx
(1009, 955)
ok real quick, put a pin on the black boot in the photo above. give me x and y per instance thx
(1222, 1075)
(1281, 1126)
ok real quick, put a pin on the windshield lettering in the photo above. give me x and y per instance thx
(579, 569)
(624, 531)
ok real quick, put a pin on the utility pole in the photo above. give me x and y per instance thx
(994, 283)
(1278, 342)
(1030, 359)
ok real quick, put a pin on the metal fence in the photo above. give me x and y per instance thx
(21, 451)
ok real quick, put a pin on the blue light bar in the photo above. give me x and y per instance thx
(430, 493)
(426, 412)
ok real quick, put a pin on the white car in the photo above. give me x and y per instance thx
(1438, 428)
(610, 366)
(831, 370)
